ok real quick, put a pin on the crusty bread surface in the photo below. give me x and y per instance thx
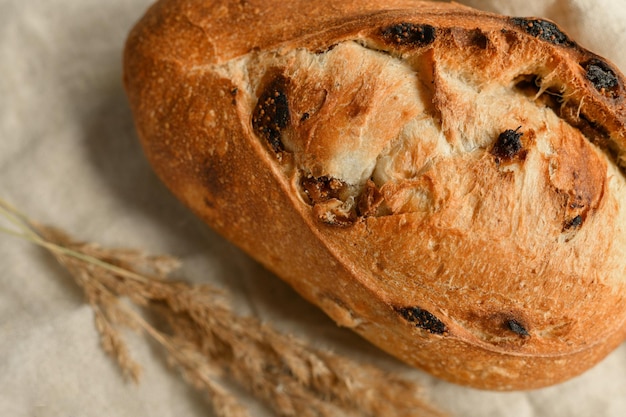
(447, 183)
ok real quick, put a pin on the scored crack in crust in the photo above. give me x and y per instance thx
(446, 182)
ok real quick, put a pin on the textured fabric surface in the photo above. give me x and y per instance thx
(69, 157)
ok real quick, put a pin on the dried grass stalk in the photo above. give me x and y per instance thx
(210, 344)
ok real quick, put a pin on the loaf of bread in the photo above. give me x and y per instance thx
(447, 183)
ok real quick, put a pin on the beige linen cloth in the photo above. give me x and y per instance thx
(69, 157)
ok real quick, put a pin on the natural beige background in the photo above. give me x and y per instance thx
(69, 156)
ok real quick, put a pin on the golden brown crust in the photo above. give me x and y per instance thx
(441, 180)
